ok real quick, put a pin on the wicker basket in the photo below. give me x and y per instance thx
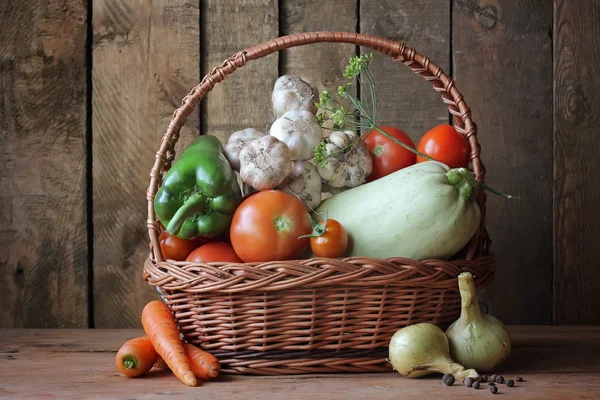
(315, 315)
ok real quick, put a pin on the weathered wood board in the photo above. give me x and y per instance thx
(146, 59)
(43, 223)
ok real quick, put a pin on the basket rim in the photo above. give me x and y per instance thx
(398, 51)
(318, 274)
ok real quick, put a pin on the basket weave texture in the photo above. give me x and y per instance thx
(319, 314)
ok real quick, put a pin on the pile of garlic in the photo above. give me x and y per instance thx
(283, 159)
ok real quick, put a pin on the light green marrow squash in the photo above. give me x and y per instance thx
(420, 212)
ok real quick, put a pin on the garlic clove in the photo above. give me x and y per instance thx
(265, 163)
(340, 139)
(291, 93)
(300, 131)
(236, 142)
(306, 186)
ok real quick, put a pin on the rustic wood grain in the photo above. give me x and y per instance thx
(502, 56)
(576, 173)
(320, 64)
(556, 362)
(146, 59)
(43, 233)
(243, 100)
(405, 100)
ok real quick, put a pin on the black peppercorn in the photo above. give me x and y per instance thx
(500, 379)
(483, 378)
(519, 379)
(494, 377)
(510, 383)
(492, 383)
(476, 385)
(494, 389)
(448, 380)
(468, 382)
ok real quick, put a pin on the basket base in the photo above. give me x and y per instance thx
(304, 362)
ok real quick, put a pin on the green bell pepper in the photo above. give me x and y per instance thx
(199, 193)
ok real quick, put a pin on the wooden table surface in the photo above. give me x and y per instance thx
(556, 363)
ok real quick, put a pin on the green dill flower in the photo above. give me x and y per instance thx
(321, 118)
(324, 99)
(339, 118)
(357, 65)
(320, 155)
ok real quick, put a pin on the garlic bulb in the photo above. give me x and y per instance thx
(476, 340)
(265, 163)
(236, 143)
(305, 183)
(349, 168)
(300, 131)
(291, 93)
(421, 349)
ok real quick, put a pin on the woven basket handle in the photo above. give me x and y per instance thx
(420, 64)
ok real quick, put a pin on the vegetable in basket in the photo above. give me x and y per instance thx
(349, 162)
(304, 182)
(199, 193)
(267, 226)
(328, 239)
(444, 144)
(420, 212)
(174, 248)
(214, 252)
(236, 143)
(388, 157)
(265, 163)
(421, 349)
(291, 93)
(477, 340)
(300, 131)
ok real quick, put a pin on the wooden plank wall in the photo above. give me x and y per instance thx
(88, 89)
(576, 174)
(43, 218)
(145, 60)
(510, 45)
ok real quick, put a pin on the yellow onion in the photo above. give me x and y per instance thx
(421, 349)
(476, 340)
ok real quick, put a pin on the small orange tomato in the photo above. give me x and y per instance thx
(329, 240)
(175, 248)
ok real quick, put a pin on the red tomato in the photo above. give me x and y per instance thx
(332, 243)
(213, 252)
(266, 227)
(388, 156)
(445, 145)
(175, 248)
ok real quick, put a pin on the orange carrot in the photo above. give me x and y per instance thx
(204, 364)
(159, 324)
(136, 357)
